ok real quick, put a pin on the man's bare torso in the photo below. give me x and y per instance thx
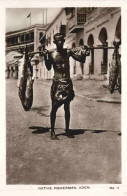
(60, 61)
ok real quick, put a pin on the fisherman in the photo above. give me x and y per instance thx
(62, 92)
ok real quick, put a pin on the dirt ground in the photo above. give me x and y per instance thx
(92, 157)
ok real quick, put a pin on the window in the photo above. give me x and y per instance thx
(63, 30)
(12, 40)
(16, 39)
(22, 38)
(32, 35)
(8, 40)
(26, 37)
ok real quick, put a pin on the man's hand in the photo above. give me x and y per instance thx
(85, 50)
(45, 52)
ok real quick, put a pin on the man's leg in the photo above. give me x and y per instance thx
(67, 119)
(52, 120)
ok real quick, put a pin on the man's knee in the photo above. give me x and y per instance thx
(54, 109)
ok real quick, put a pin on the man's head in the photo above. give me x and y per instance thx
(59, 39)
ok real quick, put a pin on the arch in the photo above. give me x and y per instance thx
(73, 45)
(90, 41)
(103, 36)
(81, 42)
(118, 29)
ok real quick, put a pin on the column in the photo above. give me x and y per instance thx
(98, 57)
(34, 63)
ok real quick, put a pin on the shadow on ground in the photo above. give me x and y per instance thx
(42, 110)
(39, 130)
(42, 130)
(82, 131)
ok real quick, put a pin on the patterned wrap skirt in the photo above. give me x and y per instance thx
(62, 91)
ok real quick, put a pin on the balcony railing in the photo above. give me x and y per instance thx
(81, 18)
(76, 22)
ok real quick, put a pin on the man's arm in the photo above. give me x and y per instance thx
(79, 54)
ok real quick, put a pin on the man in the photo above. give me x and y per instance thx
(62, 88)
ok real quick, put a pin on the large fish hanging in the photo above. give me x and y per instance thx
(115, 71)
(25, 82)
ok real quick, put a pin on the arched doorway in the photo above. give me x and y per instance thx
(90, 43)
(81, 42)
(118, 29)
(103, 39)
(73, 45)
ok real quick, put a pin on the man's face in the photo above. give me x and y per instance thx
(59, 41)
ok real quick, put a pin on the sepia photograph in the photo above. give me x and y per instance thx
(63, 95)
(63, 98)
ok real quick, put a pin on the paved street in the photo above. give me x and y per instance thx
(92, 157)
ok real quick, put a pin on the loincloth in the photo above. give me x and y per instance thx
(62, 91)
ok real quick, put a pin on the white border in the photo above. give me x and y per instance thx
(33, 189)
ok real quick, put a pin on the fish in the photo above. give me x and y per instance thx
(25, 81)
(115, 74)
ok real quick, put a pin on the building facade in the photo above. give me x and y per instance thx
(16, 42)
(91, 26)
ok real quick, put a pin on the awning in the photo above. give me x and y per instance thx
(10, 60)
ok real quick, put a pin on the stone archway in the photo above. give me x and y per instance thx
(81, 42)
(90, 43)
(73, 45)
(103, 37)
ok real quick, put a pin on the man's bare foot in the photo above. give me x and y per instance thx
(54, 137)
(68, 134)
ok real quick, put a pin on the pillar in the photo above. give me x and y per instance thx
(34, 63)
(98, 57)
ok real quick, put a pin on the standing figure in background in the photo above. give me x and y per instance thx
(62, 88)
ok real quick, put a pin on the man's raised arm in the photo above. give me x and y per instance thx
(79, 54)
